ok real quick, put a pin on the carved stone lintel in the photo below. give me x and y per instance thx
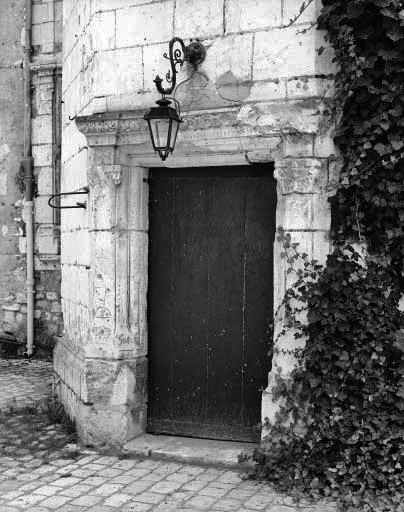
(113, 172)
(205, 133)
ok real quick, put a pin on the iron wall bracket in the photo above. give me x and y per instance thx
(84, 190)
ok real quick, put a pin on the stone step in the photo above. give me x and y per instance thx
(189, 450)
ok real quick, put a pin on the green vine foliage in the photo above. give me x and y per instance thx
(340, 429)
(368, 40)
(347, 391)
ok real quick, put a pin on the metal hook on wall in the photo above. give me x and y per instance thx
(84, 190)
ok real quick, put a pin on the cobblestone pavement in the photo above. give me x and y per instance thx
(43, 470)
(97, 483)
(32, 434)
(24, 382)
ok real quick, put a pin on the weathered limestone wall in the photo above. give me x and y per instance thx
(12, 264)
(258, 97)
(46, 138)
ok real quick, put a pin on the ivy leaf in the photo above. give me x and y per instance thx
(380, 148)
(395, 34)
(397, 144)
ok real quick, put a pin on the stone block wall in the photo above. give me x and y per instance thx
(259, 96)
(46, 141)
(12, 262)
(113, 50)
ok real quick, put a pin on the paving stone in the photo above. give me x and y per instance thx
(12, 495)
(195, 485)
(137, 487)
(47, 490)
(214, 492)
(151, 464)
(180, 477)
(123, 479)
(26, 501)
(136, 507)
(87, 500)
(222, 485)
(101, 508)
(117, 500)
(70, 508)
(83, 473)
(228, 504)
(109, 472)
(192, 470)
(106, 461)
(125, 464)
(201, 502)
(66, 482)
(139, 472)
(230, 477)
(165, 487)
(76, 490)
(94, 480)
(9, 485)
(107, 489)
(153, 477)
(93, 467)
(55, 501)
(150, 497)
(240, 494)
(39, 509)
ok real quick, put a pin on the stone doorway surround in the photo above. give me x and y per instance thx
(104, 382)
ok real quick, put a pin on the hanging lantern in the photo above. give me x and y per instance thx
(163, 124)
(164, 120)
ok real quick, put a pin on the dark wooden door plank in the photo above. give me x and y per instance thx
(210, 299)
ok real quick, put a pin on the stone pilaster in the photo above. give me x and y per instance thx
(303, 211)
(111, 406)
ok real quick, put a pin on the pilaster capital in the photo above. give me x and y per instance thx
(44, 72)
(302, 175)
(110, 173)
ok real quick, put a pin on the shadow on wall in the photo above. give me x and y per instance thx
(201, 92)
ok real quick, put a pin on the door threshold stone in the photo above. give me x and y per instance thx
(189, 450)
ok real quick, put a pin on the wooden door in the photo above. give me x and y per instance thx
(210, 299)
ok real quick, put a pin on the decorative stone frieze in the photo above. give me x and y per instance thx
(209, 134)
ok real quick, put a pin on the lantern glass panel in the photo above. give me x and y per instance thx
(160, 129)
(174, 131)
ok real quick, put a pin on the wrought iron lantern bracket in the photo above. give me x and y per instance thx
(194, 53)
(164, 120)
